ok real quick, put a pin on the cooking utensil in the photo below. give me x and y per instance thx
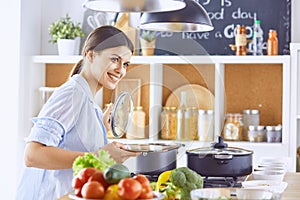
(155, 158)
(121, 114)
(197, 96)
(219, 160)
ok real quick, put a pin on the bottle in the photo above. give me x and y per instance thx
(240, 40)
(257, 38)
(182, 128)
(272, 43)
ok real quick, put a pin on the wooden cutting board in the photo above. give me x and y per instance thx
(196, 96)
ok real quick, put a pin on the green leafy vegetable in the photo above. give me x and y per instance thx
(101, 161)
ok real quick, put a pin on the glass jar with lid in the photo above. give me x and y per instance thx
(274, 133)
(233, 127)
(192, 122)
(169, 123)
(256, 133)
(136, 129)
(250, 117)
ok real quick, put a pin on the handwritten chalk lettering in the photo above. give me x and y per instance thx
(194, 36)
(166, 34)
(216, 15)
(226, 3)
(218, 34)
(239, 14)
(230, 33)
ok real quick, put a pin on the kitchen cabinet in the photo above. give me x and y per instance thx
(218, 70)
(295, 97)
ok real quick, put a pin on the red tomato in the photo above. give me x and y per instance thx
(77, 192)
(92, 190)
(86, 173)
(129, 189)
(142, 179)
(98, 176)
(77, 183)
(147, 192)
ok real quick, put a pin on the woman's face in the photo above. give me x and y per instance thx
(108, 67)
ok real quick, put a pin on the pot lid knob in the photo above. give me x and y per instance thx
(220, 144)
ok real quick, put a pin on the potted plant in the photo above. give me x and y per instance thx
(147, 41)
(66, 33)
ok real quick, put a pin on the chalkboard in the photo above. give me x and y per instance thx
(225, 15)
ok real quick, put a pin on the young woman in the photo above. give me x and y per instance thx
(71, 123)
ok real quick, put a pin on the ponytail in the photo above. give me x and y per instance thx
(77, 68)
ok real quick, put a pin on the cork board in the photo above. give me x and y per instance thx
(176, 75)
(255, 86)
(57, 74)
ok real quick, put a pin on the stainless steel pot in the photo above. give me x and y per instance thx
(155, 158)
(219, 160)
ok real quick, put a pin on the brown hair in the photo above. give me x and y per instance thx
(101, 38)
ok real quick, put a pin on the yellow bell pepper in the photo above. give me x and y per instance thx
(111, 193)
(163, 177)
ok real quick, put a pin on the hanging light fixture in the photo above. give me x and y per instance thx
(134, 5)
(192, 18)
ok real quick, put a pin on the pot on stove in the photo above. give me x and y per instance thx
(219, 160)
(155, 157)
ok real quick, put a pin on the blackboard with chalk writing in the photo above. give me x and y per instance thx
(225, 15)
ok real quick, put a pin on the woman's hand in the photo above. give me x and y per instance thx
(106, 117)
(118, 151)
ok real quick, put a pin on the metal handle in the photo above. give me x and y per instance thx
(223, 156)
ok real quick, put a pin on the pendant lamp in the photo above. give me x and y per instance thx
(134, 5)
(192, 18)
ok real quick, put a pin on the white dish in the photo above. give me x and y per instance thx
(212, 193)
(269, 185)
(268, 175)
(252, 193)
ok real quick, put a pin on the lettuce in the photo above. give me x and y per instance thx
(101, 161)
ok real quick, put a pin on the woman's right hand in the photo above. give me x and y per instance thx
(118, 151)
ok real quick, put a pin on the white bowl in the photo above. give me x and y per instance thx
(268, 175)
(211, 193)
(252, 193)
(269, 185)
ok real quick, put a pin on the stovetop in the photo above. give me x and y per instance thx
(223, 182)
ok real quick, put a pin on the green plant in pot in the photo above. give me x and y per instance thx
(65, 32)
(147, 41)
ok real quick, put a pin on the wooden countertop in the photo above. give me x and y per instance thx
(292, 192)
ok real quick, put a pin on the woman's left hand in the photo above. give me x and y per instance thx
(106, 117)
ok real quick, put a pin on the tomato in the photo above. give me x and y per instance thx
(77, 182)
(86, 173)
(147, 192)
(77, 192)
(142, 179)
(129, 189)
(98, 176)
(111, 193)
(92, 190)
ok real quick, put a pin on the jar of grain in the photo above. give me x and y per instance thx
(168, 123)
(136, 129)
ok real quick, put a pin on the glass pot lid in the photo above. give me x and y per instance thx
(152, 147)
(121, 114)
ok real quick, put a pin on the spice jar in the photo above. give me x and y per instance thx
(206, 125)
(233, 128)
(250, 117)
(136, 129)
(274, 133)
(256, 133)
(169, 123)
(240, 40)
(272, 43)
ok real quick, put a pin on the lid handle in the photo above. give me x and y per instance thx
(220, 144)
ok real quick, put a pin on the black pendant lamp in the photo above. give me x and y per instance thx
(192, 18)
(134, 5)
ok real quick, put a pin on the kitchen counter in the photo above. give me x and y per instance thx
(292, 192)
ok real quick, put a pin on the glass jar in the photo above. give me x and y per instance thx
(169, 123)
(250, 117)
(206, 125)
(256, 133)
(274, 133)
(240, 40)
(136, 129)
(233, 128)
(192, 122)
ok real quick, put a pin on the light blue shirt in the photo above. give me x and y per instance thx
(70, 120)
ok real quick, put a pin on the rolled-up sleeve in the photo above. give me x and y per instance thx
(47, 131)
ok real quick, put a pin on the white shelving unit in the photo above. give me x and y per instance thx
(284, 149)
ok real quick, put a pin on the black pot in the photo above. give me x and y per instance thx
(219, 160)
(155, 158)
